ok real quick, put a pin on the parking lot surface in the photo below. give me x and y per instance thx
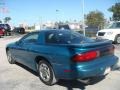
(19, 77)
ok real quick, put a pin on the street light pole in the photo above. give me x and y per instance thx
(40, 22)
(57, 15)
(83, 11)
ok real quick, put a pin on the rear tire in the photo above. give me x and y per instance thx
(10, 58)
(46, 73)
(5, 34)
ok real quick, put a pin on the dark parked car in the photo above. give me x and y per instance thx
(6, 29)
(19, 30)
(63, 54)
(62, 27)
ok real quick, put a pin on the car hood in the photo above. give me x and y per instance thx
(109, 30)
(10, 44)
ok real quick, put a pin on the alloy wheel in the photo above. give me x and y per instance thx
(44, 72)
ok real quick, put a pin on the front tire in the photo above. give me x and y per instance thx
(117, 40)
(10, 58)
(46, 73)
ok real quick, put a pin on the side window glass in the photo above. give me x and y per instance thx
(32, 38)
(50, 38)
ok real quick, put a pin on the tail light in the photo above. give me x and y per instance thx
(88, 56)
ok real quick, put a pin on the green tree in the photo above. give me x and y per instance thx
(115, 9)
(95, 18)
(66, 22)
(0, 21)
(7, 19)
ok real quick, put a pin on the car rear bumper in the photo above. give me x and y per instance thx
(94, 68)
(97, 67)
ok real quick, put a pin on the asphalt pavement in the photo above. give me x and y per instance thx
(19, 77)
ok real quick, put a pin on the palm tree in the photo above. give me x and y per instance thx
(7, 19)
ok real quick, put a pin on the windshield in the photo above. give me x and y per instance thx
(115, 25)
(66, 37)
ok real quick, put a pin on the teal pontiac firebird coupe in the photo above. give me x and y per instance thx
(62, 54)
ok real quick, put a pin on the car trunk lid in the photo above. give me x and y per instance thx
(104, 47)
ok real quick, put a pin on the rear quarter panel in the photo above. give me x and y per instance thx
(58, 56)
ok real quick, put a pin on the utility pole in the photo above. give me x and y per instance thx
(83, 11)
(40, 22)
(57, 15)
(3, 8)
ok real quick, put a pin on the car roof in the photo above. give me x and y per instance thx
(4, 24)
(51, 30)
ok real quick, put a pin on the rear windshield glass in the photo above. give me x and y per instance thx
(66, 37)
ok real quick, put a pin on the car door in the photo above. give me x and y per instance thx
(24, 49)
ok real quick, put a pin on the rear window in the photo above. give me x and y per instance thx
(66, 37)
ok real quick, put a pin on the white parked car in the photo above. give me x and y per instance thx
(111, 33)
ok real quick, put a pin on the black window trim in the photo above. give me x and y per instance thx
(21, 40)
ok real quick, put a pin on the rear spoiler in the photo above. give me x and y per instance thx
(96, 43)
(93, 44)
